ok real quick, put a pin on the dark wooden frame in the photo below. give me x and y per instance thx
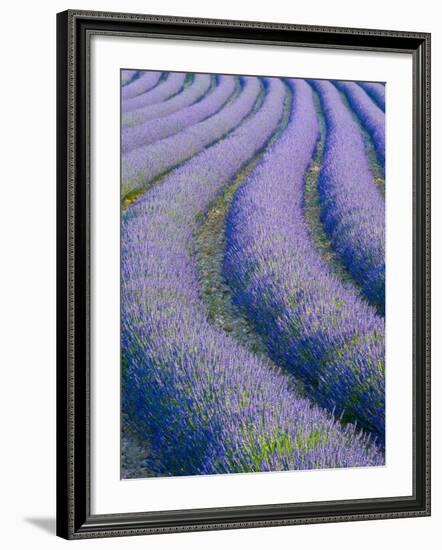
(74, 519)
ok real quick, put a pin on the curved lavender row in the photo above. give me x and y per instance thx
(160, 128)
(146, 81)
(305, 314)
(127, 75)
(199, 87)
(145, 163)
(376, 91)
(370, 115)
(352, 209)
(204, 403)
(167, 88)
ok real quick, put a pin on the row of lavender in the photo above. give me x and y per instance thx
(318, 329)
(160, 127)
(353, 211)
(209, 383)
(143, 164)
(160, 143)
(205, 404)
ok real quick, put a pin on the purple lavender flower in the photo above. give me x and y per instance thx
(127, 76)
(164, 90)
(142, 165)
(313, 326)
(352, 209)
(376, 91)
(145, 81)
(165, 126)
(370, 115)
(205, 404)
(198, 88)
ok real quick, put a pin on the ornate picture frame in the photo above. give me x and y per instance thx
(75, 516)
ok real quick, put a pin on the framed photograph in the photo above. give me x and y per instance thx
(243, 274)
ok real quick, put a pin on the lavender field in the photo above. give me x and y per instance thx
(252, 274)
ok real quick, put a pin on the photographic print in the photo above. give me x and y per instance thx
(252, 274)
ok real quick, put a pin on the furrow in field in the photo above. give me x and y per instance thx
(205, 404)
(376, 91)
(197, 89)
(145, 82)
(136, 455)
(144, 164)
(315, 327)
(209, 253)
(352, 209)
(370, 115)
(160, 128)
(165, 89)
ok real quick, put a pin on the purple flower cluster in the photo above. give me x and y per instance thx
(143, 164)
(352, 209)
(165, 89)
(205, 404)
(376, 91)
(165, 126)
(145, 82)
(370, 115)
(201, 83)
(308, 319)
